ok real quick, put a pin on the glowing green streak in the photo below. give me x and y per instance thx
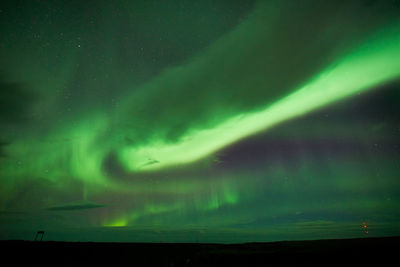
(373, 63)
(70, 152)
(227, 196)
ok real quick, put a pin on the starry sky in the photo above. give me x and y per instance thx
(199, 121)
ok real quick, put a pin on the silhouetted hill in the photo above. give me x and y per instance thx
(366, 251)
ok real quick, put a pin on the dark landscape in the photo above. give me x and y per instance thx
(360, 252)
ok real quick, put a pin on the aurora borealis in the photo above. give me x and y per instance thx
(199, 121)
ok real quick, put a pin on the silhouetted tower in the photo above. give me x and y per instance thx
(39, 234)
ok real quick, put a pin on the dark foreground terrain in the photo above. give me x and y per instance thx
(357, 252)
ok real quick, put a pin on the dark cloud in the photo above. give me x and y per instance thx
(76, 206)
(2, 146)
(6, 213)
(15, 102)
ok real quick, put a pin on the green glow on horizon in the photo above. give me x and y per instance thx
(121, 222)
(228, 195)
(374, 63)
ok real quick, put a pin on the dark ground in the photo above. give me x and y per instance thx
(356, 252)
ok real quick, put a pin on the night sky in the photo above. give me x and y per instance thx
(199, 121)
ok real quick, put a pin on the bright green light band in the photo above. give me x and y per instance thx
(374, 63)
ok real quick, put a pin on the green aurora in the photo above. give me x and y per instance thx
(126, 126)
